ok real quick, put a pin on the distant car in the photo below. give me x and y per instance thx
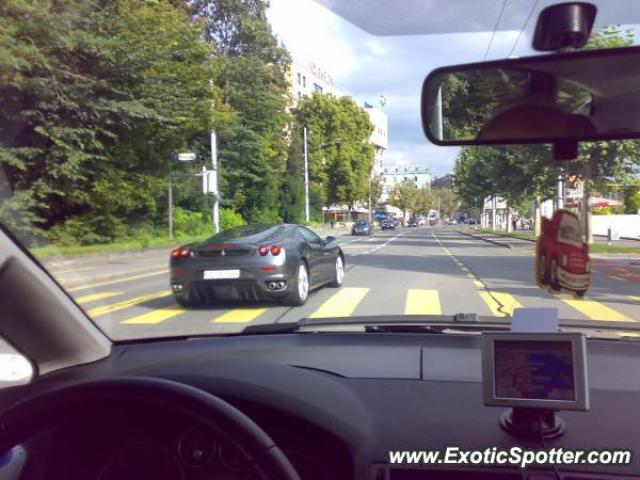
(256, 262)
(471, 221)
(563, 257)
(388, 224)
(412, 223)
(452, 221)
(362, 228)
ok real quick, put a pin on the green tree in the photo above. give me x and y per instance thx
(95, 98)
(446, 200)
(292, 193)
(424, 200)
(340, 155)
(404, 196)
(251, 114)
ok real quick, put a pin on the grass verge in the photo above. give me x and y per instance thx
(133, 244)
(593, 248)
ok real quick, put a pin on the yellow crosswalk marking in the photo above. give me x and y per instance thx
(508, 301)
(341, 304)
(117, 280)
(155, 316)
(422, 302)
(96, 296)
(594, 309)
(633, 297)
(478, 283)
(240, 315)
(95, 312)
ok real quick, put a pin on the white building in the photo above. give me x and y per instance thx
(393, 175)
(310, 78)
(380, 136)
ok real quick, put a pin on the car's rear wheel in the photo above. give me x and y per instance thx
(542, 269)
(339, 274)
(299, 287)
(553, 275)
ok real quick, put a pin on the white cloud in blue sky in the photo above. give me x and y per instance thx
(363, 66)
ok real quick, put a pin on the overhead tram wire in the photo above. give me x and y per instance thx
(524, 26)
(493, 34)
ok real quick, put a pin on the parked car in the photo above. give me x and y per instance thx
(412, 223)
(563, 257)
(388, 224)
(256, 262)
(452, 221)
(362, 228)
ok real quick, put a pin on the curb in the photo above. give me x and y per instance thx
(495, 242)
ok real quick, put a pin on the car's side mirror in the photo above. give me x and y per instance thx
(330, 239)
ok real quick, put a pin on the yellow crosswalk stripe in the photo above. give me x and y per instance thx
(478, 283)
(341, 304)
(155, 316)
(633, 297)
(96, 296)
(240, 315)
(422, 302)
(508, 301)
(594, 309)
(117, 280)
(102, 310)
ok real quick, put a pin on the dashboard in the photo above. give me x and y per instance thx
(336, 404)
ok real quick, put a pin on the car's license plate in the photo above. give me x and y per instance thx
(221, 274)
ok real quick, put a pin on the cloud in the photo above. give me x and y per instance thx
(363, 66)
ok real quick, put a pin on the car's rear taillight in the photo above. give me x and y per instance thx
(275, 250)
(263, 250)
(180, 252)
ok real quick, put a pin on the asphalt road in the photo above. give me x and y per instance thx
(414, 271)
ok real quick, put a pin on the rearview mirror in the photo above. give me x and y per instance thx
(567, 97)
(329, 239)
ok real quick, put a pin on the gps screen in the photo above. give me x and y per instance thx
(540, 370)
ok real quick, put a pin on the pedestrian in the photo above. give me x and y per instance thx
(514, 223)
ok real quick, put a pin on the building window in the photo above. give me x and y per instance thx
(304, 81)
(299, 79)
(299, 95)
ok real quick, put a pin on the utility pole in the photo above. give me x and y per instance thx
(213, 182)
(170, 198)
(369, 198)
(306, 178)
(560, 201)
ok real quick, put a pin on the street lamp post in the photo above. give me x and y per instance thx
(306, 178)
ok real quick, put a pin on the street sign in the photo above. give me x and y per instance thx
(186, 157)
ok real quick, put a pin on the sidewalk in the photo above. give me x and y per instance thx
(81, 269)
(622, 266)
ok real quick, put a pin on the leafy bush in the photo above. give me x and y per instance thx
(265, 216)
(602, 211)
(188, 223)
(230, 219)
(79, 231)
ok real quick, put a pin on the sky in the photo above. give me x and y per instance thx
(364, 66)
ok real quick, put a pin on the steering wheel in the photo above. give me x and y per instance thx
(25, 419)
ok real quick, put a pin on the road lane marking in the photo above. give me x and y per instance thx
(422, 302)
(96, 296)
(155, 316)
(102, 310)
(508, 301)
(240, 315)
(478, 283)
(341, 304)
(71, 270)
(633, 297)
(117, 280)
(594, 310)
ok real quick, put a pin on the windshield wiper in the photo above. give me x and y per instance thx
(388, 324)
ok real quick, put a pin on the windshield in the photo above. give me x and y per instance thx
(197, 167)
